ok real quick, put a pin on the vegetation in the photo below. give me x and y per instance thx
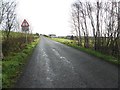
(98, 19)
(74, 44)
(16, 45)
(8, 20)
(16, 42)
(101, 19)
(13, 63)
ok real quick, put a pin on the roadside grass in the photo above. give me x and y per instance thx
(102, 56)
(12, 65)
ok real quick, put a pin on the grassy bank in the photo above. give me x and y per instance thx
(12, 64)
(73, 44)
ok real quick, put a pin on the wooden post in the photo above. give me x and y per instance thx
(26, 36)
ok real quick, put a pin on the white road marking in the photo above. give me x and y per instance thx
(64, 59)
(56, 52)
(49, 79)
(49, 72)
(42, 50)
(44, 54)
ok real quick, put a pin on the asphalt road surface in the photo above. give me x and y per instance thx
(54, 65)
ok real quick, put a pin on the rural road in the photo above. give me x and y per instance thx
(54, 65)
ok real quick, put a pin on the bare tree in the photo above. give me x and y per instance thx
(1, 11)
(117, 40)
(103, 19)
(97, 25)
(74, 24)
(9, 17)
(90, 10)
(79, 13)
(83, 16)
(76, 20)
(3, 6)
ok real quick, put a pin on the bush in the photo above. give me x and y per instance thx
(13, 64)
(15, 43)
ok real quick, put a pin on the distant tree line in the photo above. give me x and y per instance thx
(97, 25)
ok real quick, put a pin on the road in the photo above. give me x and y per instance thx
(54, 65)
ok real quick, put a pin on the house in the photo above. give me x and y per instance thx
(70, 37)
(52, 35)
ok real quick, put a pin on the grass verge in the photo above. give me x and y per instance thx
(73, 44)
(12, 65)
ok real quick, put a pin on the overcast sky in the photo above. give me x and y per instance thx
(46, 16)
